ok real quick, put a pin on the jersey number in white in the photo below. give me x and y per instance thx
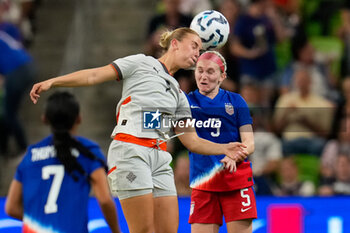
(246, 196)
(58, 173)
(217, 133)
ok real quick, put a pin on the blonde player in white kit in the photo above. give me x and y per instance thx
(140, 173)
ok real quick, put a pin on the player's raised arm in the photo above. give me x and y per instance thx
(87, 77)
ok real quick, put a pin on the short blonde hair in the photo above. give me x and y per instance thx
(177, 34)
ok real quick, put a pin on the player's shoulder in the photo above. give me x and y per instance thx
(190, 95)
(194, 96)
(87, 142)
(232, 97)
(230, 94)
(92, 146)
(136, 57)
(43, 142)
(143, 59)
(35, 147)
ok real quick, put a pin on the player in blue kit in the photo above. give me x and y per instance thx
(50, 191)
(217, 192)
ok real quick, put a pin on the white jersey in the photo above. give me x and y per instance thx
(148, 88)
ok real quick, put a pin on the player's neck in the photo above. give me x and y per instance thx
(212, 94)
(168, 61)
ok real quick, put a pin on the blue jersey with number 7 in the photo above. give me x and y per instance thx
(53, 201)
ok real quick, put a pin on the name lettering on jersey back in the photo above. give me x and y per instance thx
(48, 152)
(43, 153)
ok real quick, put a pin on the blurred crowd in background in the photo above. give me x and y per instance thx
(289, 59)
(17, 69)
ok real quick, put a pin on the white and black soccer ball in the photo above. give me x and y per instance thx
(212, 27)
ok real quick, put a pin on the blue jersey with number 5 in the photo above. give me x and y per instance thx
(53, 201)
(218, 120)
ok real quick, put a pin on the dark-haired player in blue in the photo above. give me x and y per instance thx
(50, 191)
(217, 192)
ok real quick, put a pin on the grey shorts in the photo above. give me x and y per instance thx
(138, 170)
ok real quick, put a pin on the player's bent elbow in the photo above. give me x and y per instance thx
(8, 209)
(252, 149)
(13, 211)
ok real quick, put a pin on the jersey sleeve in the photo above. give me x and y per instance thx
(244, 117)
(19, 171)
(96, 150)
(90, 165)
(19, 174)
(124, 67)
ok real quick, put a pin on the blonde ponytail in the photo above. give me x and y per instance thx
(164, 40)
(177, 34)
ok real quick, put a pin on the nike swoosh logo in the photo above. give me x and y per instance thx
(244, 210)
(193, 106)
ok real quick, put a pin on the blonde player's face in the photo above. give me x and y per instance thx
(188, 50)
(208, 76)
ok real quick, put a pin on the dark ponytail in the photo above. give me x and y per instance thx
(62, 111)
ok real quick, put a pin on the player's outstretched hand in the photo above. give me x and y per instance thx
(38, 88)
(236, 151)
(229, 164)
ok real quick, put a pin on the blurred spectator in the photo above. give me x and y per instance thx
(268, 147)
(231, 10)
(344, 105)
(290, 14)
(340, 138)
(22, 14)
(265, 160)
(344, 35)
(289, 183)
(266, 157)
(251, 94)
(193, 7)
(17, 67)
(303, 118)
(255, 35)
(320, 16)
(340, 185)
(322, 80)
(333, 147)
(182, 174)
(171, 19)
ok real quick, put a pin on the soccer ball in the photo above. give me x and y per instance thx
(212, 27)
